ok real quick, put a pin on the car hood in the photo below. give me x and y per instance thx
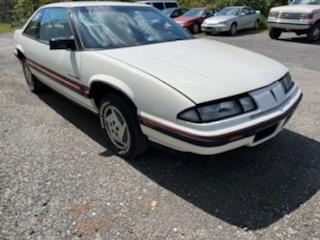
(202, 69)
(299, 8)
(219, 19)
(184, 19)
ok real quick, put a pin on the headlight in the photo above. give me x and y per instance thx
(218, 110)
(307, 15)
(273, 14)
(286, 82)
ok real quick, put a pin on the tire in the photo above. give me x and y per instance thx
(195, 28)
(233, 29)
(256, 25)
(275, 33)
(314, 33)
(119, 121)
(33, 83)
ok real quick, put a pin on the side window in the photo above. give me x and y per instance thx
(245, 11)
(252, 11)
(34, 26)
(209, 12)
(171, 5)
(158, 5)
(54, 24)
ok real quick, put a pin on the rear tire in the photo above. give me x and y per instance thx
(119, 120)
(33, 83)
(275, 33)
(314, 33)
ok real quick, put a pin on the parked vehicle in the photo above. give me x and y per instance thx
(161, 4)
(192, 19)
(232, 19)
(131, 65)
(172, 12)
(301, 17)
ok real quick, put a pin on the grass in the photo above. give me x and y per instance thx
(7, 27)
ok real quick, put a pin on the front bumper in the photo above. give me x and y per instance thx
(256, 132)
(288, 24)
(215, 28)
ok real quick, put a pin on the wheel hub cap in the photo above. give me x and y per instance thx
(117, 128)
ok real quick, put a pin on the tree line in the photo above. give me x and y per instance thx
(18, 10)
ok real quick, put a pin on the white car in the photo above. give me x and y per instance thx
(148, 79)
(301, 17)
(232, 19)
(161, 4)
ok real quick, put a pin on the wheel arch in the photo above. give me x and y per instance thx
(317, 22)
(19, 52)
(102, 84)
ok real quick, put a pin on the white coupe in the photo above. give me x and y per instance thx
(148, 79)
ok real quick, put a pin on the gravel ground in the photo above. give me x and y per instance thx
(58, 181)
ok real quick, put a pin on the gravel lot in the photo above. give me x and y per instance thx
(58, 181)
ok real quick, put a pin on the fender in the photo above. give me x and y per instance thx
(112, 82)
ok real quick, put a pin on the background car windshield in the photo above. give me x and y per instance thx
(121, 26)
(311, 2)
(229, 11)
(194, 12)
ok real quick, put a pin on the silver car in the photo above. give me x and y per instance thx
(232, 19)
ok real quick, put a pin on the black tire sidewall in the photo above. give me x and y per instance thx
(231, 27)
(198, 28)
(310, 36)
(274, 33)
(24, 66)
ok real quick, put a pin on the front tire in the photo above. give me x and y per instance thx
(275, 33)
(256, 25)
(195, 28)
(314, 33)
(233, 29)
(119, 120)
(33, 83)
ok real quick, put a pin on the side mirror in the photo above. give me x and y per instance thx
(62, 43)
(242, 14)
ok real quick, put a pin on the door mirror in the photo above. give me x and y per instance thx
(242, 14)
(62, 43)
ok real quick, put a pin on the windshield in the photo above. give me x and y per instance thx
(194, 12)
(122, 26)
(310, 2)
(229, 11)
(168, 11)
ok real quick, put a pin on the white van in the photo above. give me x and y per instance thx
(162, 4)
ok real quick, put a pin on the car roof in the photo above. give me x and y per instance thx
(93, 3)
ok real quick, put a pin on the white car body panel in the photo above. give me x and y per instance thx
(192, 64)
(165, 79)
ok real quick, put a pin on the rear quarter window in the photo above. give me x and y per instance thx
(33, 27)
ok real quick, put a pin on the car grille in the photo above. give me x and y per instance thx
(290, 15)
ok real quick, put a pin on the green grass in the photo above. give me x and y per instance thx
(7, 27)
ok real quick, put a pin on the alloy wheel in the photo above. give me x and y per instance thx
(117, 128)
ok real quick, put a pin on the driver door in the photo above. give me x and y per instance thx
(57, 68)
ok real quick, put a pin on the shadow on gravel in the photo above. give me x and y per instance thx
(249, 187)
(300, 40)
(240, 33)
